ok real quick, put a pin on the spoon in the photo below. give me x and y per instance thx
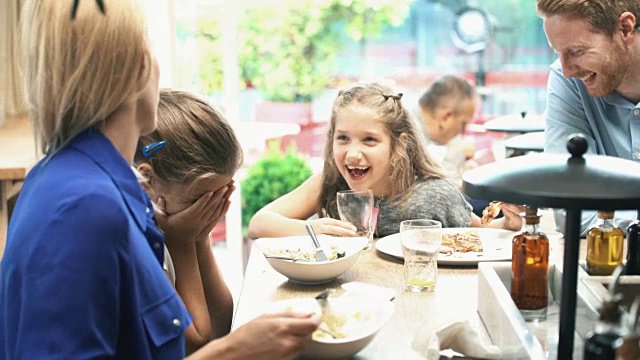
(285, 258)
(327, 332)
(322, 301)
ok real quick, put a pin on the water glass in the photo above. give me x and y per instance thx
(356, 208)
(421, 240)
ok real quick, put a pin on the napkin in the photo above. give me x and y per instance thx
(459, 336)
(356, 288)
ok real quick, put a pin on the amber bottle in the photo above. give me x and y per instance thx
(604, 245)
(530, 268)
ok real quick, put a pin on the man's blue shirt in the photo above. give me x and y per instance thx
(611, 125)
(79, 278)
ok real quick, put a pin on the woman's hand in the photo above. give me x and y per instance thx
(332, 226)
(273, 336)
(196, 221)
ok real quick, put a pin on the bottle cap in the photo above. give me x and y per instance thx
(531, 215)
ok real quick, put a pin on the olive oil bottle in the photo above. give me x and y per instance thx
(530, 267)
(604, 245)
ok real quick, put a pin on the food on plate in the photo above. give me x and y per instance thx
(299, 254)
(339, 325)
(461, 242)
(490, 212)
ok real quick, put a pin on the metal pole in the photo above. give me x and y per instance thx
(569, 284)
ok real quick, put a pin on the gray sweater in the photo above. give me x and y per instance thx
(436, 199)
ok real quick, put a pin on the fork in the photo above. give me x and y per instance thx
(319, 253)
(322, 301)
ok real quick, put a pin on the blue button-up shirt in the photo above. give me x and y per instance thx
(79, 278)
(611, 125)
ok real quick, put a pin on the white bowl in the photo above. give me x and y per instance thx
(312, 272)
(363, 320)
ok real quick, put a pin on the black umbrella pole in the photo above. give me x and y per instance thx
(569, 285)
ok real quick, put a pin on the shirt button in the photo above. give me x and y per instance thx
(149, 210)
(156, 245)
(636, 112)
(176, 322)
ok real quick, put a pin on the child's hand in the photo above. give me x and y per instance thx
(512, 216)
(196, 221)
(331, 226)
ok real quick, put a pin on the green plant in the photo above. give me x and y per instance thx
(288, 50)
(270, 177)
(209, 46)
(289, 54)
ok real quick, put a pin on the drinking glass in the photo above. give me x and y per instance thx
(356, 208)
(421, 240)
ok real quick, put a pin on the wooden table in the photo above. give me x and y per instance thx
(456, 291)
(456, 296)
(17, 155)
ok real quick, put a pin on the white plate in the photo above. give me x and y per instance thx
(496, 244)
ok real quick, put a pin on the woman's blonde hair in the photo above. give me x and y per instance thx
(409, 160)
(79, 71)
(200, 143)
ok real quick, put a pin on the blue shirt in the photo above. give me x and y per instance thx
(79, 278)
(611, 125)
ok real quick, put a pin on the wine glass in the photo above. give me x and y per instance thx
(356, 208)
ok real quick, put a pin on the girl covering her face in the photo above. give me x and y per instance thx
(187, 165)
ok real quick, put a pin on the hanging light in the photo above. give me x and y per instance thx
(471, 29)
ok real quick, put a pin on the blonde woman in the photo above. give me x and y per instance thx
(373, 143)
(80, 278)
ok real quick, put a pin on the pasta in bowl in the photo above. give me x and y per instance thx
(293, 256)
(353, 321)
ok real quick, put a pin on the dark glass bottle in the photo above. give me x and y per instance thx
(606, 338)
(604, 245)
(530, 268)
(633, 249)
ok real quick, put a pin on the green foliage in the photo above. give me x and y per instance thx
(208, 40)
(365, 19)
(274, 175)
(289, 55)
(288, 51)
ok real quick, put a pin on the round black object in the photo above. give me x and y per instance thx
(576, 182)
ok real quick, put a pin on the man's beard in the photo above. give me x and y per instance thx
(614, 70)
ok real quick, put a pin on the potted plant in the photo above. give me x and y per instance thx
(272, 176)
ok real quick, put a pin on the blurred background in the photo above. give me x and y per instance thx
(275, 66)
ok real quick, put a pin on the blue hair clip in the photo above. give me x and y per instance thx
(153, 148)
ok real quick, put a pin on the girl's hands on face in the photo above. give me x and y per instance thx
(332, 226)
(196, 221)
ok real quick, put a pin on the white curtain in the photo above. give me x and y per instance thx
(12, 94)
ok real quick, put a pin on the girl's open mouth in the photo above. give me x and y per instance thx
(357, 172)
